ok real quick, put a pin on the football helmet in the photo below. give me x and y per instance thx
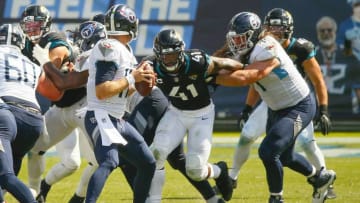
(12, 35)
(99, 18)
(243, 32)
(280, 23)
(169, 50)
(121, 20)
(35, 22)
(90, 33)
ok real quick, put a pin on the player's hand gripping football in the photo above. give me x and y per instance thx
(244, 116)
(41, 54)
(322, 120)
(144, 72)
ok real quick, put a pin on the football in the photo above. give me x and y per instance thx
(143, 87)
(48, 90)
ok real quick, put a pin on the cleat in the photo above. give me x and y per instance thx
(223, 182)
(40, 198)
(320, 183)
(233, 183)
(77, 199)
(276, 199)
(331, 193)
(221, 200)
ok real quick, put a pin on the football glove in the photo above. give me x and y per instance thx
(41, 54)
(323, 120)
(244, 116)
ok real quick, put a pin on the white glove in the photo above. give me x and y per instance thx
(41, 54)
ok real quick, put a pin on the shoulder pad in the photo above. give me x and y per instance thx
(56, 39)
(106, 47)
(265, 49)
(305, 43)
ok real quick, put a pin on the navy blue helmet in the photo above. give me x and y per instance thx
(243, 32)
(90, 33)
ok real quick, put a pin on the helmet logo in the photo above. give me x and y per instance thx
(129, 14)
(28, 19)
(254, 22)
(88, 31)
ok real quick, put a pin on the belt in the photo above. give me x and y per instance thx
(26, 108)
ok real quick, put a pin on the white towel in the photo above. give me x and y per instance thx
(109, 134)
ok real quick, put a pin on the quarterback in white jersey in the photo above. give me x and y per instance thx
(115, 140)
(291, 108)
(21, 122)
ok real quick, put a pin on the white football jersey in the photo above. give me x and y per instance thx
(284, 86)
(110, 50)
(82, 61)
(18, 75)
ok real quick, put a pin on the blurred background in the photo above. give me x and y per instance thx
(203, 25)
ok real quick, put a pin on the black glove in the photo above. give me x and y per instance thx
(244, 116)
(323, 120)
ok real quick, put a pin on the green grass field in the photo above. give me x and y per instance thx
(251, 188)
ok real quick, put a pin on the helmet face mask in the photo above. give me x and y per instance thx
(11, 35)
(240, 43)
(35, 22)
(243, 33)
(169, 50)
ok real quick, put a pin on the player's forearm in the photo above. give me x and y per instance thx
(238, 78)
(111, 88)
(225, 64)
(252, 97)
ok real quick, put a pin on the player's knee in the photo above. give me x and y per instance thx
(248, 136)
(265, 154)
(71, 164)
(160, 155)
(5, 180)
(196, 168)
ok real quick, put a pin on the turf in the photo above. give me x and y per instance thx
(252, 187)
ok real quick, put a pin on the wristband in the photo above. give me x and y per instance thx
(323, 109)
(131, 80)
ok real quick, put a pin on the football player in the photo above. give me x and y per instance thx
(21, 122)
(290, 106)
(183, 76)
(108, 86)
(279, 23)
(60, 119)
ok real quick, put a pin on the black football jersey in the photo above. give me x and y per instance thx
(57, 39)
(300, 50)
(188, 88)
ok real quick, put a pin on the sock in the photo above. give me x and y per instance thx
(241, 155)
(314, 154)
(84, 181)
(157, 184)
(214, 171)
(36, 167)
